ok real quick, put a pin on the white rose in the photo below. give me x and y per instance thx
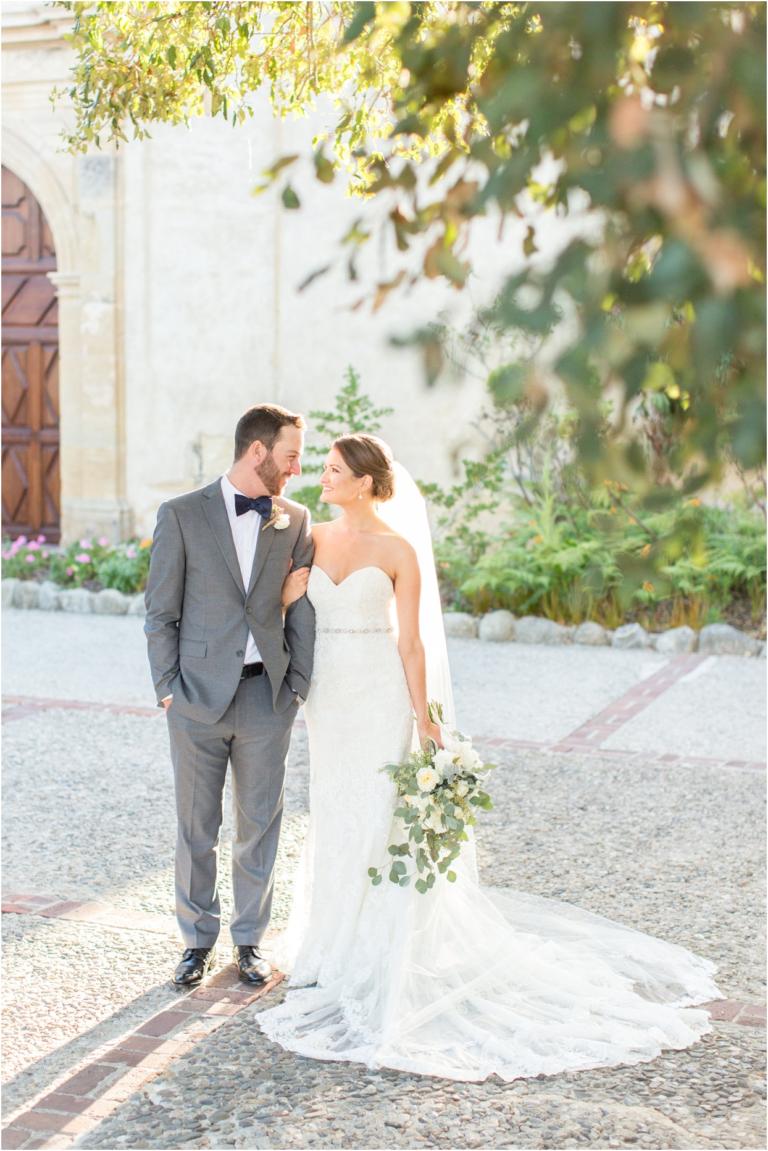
(282, 522)
(452, 740)
(445, 763)
(427, 779)
(461, 788)
(470, 760)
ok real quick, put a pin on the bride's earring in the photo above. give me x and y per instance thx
(360, 495)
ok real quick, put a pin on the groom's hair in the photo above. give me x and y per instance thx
(264, 423)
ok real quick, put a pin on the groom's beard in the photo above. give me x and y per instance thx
(270, 475)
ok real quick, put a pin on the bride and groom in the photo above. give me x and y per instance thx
(250, 613)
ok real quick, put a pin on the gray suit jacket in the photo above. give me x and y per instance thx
(199, 613)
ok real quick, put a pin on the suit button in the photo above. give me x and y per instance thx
(239, 653)
(248, 611)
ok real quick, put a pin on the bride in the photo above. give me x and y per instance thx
(464, 981)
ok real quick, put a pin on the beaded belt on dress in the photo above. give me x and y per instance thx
(355, 630)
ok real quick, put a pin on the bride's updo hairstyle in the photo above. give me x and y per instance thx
(369, 456)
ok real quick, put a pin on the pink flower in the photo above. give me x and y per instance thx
(83, 558)
(33, 546)
(20, 541)
(86, 543)
(29, 559)
(130, 553)
(70, 571)
(103, 542)
(46, 555)
(7, 555)
(41, 539)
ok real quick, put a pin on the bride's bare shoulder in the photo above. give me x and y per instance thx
(399, 550)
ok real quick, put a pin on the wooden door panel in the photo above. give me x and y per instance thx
(30, 375)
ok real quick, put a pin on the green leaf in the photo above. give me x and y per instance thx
(376, 881)
(289, 198)
(277, 167)
(421, 886)
(451, 876)
(372, 871)
(323, 168)
(364, 13)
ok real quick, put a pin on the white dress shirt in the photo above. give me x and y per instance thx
(245, 534)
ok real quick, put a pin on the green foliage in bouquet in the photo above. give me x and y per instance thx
(439, 793)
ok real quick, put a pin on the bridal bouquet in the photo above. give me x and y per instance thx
(439, 795)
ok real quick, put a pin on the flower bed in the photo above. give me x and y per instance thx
(89, 563)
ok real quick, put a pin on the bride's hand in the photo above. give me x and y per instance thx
(294, 586)
(431, 731)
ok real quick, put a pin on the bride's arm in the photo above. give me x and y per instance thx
(407, 591)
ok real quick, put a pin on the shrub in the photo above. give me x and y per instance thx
(353, 412)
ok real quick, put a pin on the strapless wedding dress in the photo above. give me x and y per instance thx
(465, 981)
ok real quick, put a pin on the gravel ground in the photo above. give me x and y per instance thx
(242, 1091)
(678, 854)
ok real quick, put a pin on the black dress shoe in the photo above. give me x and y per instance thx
(252, 965)
(195, 964)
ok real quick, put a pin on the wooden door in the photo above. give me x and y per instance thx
(31, 484)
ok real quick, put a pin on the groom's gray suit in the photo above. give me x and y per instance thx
(199, 614)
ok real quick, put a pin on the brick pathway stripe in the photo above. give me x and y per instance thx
(630, 755)
(78, 1101)
(586, 737)
(87, 911)
(21, 706)
(607, 721)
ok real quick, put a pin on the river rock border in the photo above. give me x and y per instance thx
(495, 627)
(503, 626)
(49, 596)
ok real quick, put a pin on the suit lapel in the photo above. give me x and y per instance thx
(216, 513)
(263, 544)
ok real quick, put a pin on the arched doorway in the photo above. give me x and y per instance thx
(30, 375)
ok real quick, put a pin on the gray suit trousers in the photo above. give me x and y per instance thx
(254, 739)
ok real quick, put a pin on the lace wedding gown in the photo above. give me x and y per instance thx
(464, 981)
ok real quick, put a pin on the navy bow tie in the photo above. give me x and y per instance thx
(262, 505)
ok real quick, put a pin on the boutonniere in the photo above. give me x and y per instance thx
(278, 520)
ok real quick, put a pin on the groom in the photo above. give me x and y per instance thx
(231, 674)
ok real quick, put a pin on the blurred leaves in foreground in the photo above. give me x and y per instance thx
(648, 119)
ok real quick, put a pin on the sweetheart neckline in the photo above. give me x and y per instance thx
(365, 567)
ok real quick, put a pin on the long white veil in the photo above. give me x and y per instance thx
(406, 514)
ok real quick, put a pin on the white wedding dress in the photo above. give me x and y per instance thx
(465, 981)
